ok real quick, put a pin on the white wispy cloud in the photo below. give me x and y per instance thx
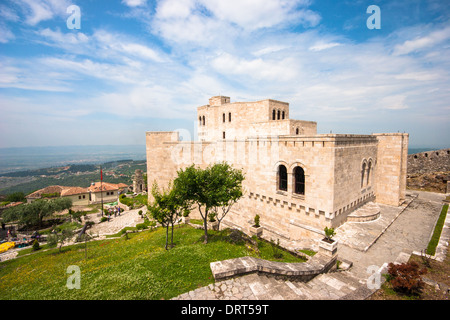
(204, 22)
(42, 10)
(433, 38)
(134, 3)
(323, 46)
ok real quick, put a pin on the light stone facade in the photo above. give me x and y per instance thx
(339, 172)
(138, 181)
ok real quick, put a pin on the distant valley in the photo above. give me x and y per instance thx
(27, 181)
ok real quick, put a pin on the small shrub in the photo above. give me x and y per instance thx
(103, 219)
(329, 233)
(151, 224)
(212, 217)
(52, 240)
(89, 224)
(276, 250)
(405, 278)
(36, 246)
(257, 220)
(141, 226)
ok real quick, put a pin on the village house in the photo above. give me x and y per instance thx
(81, 196)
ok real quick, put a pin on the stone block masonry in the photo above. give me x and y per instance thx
(298, 181)
(429, 161)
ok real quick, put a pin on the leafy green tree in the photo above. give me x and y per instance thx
(228, 190)
(32, 214)
(16, 197)
(64, 236)
(167, 208)
(214, 189)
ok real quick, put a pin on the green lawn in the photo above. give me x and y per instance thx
(431, 249)
(137, 268)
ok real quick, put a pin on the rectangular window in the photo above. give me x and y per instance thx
(223, 134)
(229, 117)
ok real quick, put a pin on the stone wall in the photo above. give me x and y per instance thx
(429, 171)
(332, 166)
(391, 168)
(429, 161)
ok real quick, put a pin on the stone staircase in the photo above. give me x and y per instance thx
(341, 285)
(327, 286)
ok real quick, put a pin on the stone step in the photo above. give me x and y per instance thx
(329, 286)
(368, 212)
(349, 278)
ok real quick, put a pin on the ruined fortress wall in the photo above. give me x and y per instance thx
(429, 161)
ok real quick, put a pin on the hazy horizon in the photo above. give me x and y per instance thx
(37, 157)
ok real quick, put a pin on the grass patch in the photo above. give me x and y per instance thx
(137, 201)
(137, 268)
(431, 248)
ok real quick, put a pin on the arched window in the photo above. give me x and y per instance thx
(363, 171)
(278, 115)
(369, 168)
(203, 120)
(223, 117)
(273, 114)
(282, 115)
(296, 131)
(200, 120)
(299, 180)
(229, 116)
(282, 178)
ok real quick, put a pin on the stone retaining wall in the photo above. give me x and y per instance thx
(303, 271)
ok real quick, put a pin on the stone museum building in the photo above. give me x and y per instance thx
(297, 180)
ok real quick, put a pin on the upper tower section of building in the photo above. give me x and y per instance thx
(221, 119)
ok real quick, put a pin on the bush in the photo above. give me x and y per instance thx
(405, 278)
(141, 226)
(36, 246)
(329, 233)
(103, 219)
(212, 217)
(276, 250)
(52, 240)
(257, 220)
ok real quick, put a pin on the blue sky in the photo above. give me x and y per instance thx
(141, 65)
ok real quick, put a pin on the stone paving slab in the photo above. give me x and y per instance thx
(362, 235)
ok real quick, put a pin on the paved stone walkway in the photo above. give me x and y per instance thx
(116, 223)
(391, 238)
